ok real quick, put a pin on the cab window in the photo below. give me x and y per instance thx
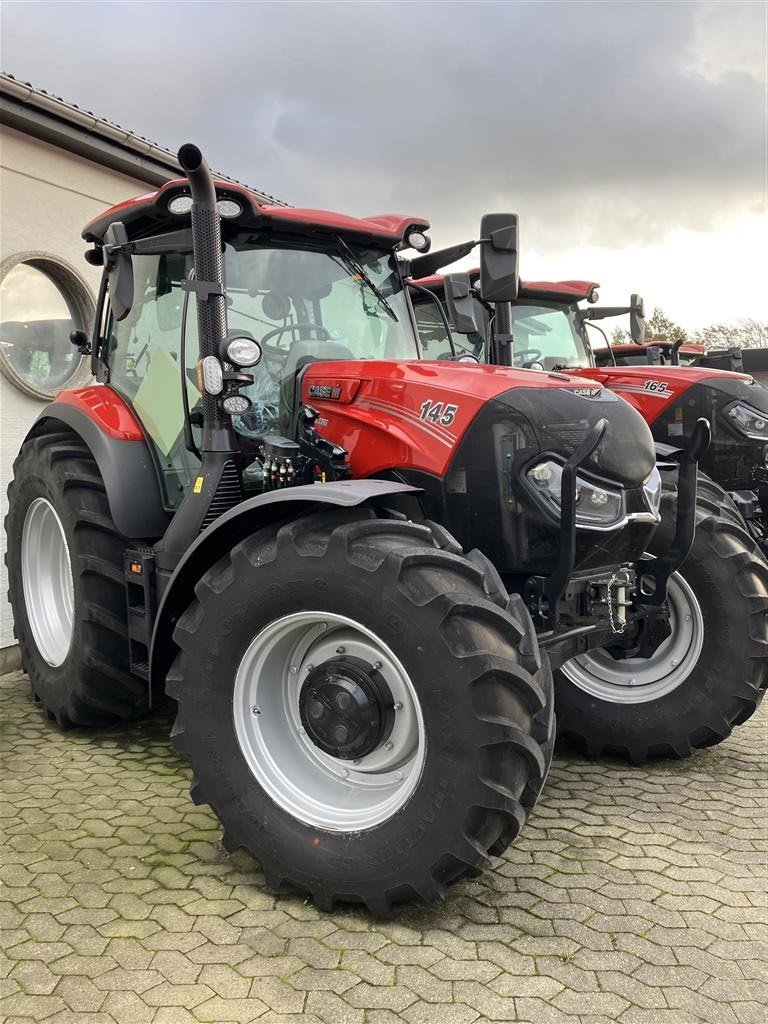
(300, 304)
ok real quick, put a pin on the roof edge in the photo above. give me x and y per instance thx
(77, 131)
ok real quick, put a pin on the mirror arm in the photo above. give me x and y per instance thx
(425, 266)
(601, 312)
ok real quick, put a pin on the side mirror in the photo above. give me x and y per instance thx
(460, 302)
(637, 319)
(499, 245)
(119, 268)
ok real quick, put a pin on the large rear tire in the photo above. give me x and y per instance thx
(706, 678)
(66, 589)
(328, 597)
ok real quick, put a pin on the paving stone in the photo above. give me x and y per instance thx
(127, 1008)
(440, 1013)
(633, 896)
(332, 1009)
(80, 994)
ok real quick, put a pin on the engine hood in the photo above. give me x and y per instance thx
(560, 420)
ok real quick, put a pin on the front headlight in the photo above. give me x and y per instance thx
(597, 507)
(652, 490)
(748, 421)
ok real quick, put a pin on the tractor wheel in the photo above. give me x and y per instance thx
(65, 572)
(706, 678)
(359, 708)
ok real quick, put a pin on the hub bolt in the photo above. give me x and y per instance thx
(398, 706)
(345, 773)
(398, 775)
(256, 710)
(388, 746)
(674, 662)
(341, 650)
(377, 664)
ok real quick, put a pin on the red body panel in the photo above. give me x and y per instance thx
(689, 348)
(385, 424)
(650, 389)
(106, 408)
(564, 291)
(567, 291)
(386, 228)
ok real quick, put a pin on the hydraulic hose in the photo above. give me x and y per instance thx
(209, 266)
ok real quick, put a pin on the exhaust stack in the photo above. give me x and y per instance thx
(208, 284)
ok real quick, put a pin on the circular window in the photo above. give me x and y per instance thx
(41, 301)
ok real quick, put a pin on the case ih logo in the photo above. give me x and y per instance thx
(657, 387)
(586, 392)
(332, 392)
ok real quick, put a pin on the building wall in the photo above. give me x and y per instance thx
(46, 197)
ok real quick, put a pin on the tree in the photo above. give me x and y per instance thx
(745, 333)
(619, 336)
(659, 327)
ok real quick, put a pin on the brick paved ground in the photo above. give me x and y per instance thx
(636, 895)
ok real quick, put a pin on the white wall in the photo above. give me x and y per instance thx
(46, 198)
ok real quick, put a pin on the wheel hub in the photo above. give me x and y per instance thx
(346, 708)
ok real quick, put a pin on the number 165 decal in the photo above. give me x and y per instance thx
(438, 412)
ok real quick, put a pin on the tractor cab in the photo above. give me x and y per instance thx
(548, 334)
(303, 285)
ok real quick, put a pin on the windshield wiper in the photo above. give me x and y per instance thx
(354, 264)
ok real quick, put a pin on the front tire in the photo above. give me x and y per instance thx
(348, 593)
(66, 589)
(706, 678)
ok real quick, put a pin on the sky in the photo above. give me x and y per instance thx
(629, 137)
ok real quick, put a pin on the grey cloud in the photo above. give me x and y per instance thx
(595, 121)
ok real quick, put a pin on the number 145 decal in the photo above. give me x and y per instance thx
(438, 412)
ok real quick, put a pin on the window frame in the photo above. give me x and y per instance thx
(78, 297)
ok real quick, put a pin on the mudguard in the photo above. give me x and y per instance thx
(126, 466)
(232, 527)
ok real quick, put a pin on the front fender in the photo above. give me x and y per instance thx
(126, 467)
(232, 527)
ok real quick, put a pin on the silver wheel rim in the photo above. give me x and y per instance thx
(637, 680)
(313, 786)
(46, 574)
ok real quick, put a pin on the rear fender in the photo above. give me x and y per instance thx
(126, 466)
(240, 522)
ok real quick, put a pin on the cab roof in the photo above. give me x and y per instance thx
(558, 291)
(689, 348)
(148, 213)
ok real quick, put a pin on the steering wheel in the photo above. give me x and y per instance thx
(279, 355)
(535, 355)
(279, 352)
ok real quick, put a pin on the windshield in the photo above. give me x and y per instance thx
(302, 305)
(431, 327)
(550, 335)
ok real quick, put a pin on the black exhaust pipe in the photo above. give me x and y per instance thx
(218, 485)
(209, 266)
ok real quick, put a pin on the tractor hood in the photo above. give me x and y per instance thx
(422, 410)
(672, 398)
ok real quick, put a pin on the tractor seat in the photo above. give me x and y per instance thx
(301, 354)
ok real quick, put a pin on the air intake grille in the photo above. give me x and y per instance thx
(228, 494)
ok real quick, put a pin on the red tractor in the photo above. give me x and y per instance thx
(659, 352)
(350, 567)
(711, 672)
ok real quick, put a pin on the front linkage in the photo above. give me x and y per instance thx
(632, 600)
